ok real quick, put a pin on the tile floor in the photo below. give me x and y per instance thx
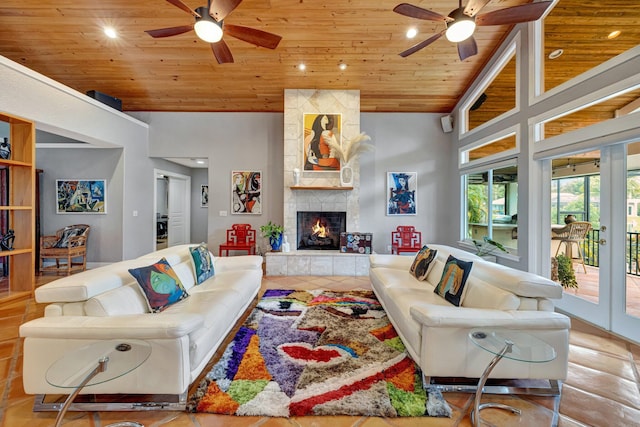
(602, 389)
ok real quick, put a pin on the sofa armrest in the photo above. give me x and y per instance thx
(242, 262)
(141, 326)
(461, 317)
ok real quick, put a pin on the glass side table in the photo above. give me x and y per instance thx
(93, 364)
(513, 345)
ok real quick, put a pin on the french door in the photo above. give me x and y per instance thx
(604, 190)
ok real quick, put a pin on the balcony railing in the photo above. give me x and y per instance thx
(591, 250)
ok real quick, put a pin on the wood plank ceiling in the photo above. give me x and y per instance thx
(63, 40)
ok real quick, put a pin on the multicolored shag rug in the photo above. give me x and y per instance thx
(317, 353)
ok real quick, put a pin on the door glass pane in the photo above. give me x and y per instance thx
(504, 207)
(477, 206)
(632, 208)
(575, 218)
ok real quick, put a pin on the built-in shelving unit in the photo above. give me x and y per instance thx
(298, 187)
(17, 208)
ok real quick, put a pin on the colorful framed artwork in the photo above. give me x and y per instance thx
(320, 132)
(81, 196)
(402, 190)
(204, 196)
(246, 192)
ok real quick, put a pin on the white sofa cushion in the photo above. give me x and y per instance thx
(84, 285)
(521, 283)
(118, 302)
(480, 294)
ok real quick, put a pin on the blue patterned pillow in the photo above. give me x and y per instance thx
(160, 284)
(202, 263)
(423, 263)
(453, 280)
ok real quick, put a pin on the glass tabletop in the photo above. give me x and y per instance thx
(526, 347)
(123, 357)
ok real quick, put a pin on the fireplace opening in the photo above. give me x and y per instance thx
(320, 230)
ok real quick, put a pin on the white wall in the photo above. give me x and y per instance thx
(410, 142)
(88, 163)
(240, 141)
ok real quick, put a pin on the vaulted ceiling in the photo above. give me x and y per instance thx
(64, 40)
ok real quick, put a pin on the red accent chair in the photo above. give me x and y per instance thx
(240, 237)
(405, 239)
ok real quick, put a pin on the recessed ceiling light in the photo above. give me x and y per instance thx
(302, 67)
(342, 66)
(556, 54)
(613, 34)
(411, 33)
(111, 32)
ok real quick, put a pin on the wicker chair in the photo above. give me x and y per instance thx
(573, 234)
(68, 248)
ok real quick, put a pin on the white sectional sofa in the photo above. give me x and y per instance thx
(435, 332)
(106, 303)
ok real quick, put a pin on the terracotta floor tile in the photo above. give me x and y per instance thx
(594, 410)
(599, 343)
(613, 364)
(603, 384)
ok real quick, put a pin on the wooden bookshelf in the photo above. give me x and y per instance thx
(17, 199)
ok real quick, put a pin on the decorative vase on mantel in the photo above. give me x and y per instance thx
(346, 175)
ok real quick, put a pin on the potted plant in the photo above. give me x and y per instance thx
(487, 247)
(273, 232)
(566, 274)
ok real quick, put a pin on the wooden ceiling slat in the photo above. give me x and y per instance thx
(63, 40)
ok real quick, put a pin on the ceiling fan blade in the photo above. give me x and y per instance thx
(253, 36)
(473, 7)
(219, 9)
(413, 49)
(168, 32)
(467, 48)
(221, 52)
(180, 5)
(514, 15)
(420, 13)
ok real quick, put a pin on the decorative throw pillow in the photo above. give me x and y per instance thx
(453, 280)
(423, 263)
(69, 232)
(160, 284)
(202, 263)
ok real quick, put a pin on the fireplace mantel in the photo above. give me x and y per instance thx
(323, 188)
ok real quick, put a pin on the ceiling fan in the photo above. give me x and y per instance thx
(461, 22)
(209, 27)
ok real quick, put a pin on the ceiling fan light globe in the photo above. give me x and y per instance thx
(460, 30)
(208, 30)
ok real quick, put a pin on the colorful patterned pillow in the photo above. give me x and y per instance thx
(453, 280)
(202, 263)
(423, 263)
(160, 284)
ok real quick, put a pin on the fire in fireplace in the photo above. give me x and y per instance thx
(320, 230)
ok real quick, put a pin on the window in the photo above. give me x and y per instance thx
(492, 205)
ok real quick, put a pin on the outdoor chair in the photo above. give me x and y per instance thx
(573, 234)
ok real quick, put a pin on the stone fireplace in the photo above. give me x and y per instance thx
(320, 230)
(317, 191)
